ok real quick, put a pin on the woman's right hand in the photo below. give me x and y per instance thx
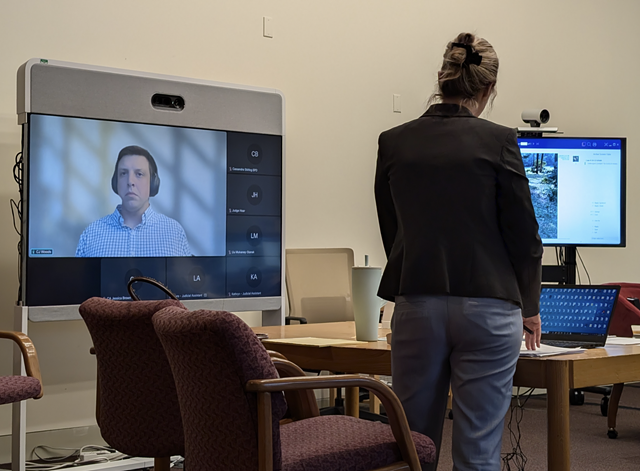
(534, 324)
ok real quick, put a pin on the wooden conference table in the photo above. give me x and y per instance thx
(558, 374)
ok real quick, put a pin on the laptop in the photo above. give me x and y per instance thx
(577, 315)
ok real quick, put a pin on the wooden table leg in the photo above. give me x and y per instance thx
(614, 401)
(374, 402)
(558, 450)
(333, 394)
(351, 402)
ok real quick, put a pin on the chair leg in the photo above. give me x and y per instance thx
(162, 464)
(612, 413)
(333, 394)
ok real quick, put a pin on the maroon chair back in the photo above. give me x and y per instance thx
(138, 405)
(625, 314)
(213, 355)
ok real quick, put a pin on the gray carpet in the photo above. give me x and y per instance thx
(591, 449)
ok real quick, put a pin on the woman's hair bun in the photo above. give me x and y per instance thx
(469, 66)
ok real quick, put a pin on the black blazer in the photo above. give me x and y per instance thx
(455, 210)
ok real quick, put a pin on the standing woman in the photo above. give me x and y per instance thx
(464, 258)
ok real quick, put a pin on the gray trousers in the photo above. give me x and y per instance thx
(471, 344)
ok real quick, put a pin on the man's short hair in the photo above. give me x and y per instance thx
(153, 168)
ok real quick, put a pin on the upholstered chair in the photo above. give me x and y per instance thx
(137, 406)
(231, 402)
(17, 388)
(625, 314)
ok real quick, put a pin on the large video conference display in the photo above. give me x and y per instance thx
(578, 188)
(210, 202)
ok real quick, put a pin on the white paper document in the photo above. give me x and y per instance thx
(547, 350)
(613, 340)
(313, 341)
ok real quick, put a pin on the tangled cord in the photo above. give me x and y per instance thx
(16, 212)
(516, 456)
(561, 260)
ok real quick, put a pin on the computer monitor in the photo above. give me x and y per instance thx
(127, 174)
(578, 189)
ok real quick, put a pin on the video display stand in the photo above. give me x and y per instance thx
(565, 273)
(224, 136)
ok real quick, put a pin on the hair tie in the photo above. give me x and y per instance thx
(472, 56)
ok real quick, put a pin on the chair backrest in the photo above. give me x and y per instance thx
(625, 314)
(319, 284)
(138, 405)
(213, 355)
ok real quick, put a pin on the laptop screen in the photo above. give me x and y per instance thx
(577, 310)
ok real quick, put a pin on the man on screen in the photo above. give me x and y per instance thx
(134, 229)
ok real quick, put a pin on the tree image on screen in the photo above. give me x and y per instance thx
(542, 172)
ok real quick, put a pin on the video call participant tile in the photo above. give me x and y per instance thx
(115, 274)
(255, 154)
(196, 277)
(253, 195)
(253, 276)
(59, 281)
(253, 236)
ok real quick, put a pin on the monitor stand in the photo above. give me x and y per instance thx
(564, 274)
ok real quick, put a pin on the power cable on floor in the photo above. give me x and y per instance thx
(516, 456)
(74, 457)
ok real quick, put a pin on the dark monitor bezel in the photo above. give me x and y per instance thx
(623, 187)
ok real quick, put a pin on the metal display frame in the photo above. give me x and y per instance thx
(88, 91)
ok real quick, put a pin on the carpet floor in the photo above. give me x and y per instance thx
(591, 449)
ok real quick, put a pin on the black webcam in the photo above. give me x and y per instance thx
(167, 102)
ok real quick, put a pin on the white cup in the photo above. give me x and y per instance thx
(366, 304)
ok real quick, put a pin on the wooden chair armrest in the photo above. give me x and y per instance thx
(391, 403)
(302, 403)
(273, 354)
(32, 366)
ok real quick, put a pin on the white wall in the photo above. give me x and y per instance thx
(338, 63)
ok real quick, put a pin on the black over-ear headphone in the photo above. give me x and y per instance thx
(153, 168)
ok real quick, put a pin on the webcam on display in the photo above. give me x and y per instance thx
(167, 102)
(535, 117)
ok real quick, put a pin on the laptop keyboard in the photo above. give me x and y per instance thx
(567, 343)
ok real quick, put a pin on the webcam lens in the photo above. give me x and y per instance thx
(544, 116)
(172, 102)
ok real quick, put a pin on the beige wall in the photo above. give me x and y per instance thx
(338, 63)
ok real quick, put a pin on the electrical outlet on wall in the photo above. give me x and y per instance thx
(267, 27)
(397, 104)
